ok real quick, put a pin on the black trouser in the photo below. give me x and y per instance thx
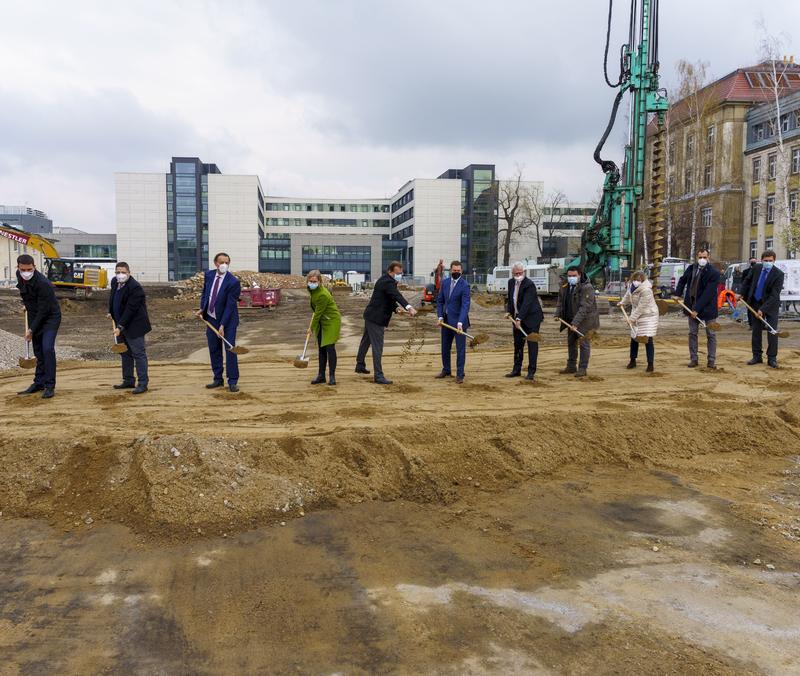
(576, 345)
(758, 328)
(372, 337)
(649, 349)
(135, 356)
(327, 357)
(44, 349)
(519, 352)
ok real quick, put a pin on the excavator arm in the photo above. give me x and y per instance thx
(28, 239)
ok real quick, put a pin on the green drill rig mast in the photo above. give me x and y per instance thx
(607, 244)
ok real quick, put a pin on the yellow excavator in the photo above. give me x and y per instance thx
(71, 274)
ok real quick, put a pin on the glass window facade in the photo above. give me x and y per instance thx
(329, 222)
(96, 251)
(274, 254)
(327, 206)
(329, 258)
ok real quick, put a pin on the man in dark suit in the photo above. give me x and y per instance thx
(44, 318)
(452, 307)
(385, 300)
(524, 308)
(127, 306)
(746, 274)
(762, 291)
(698, 286)
(219, 306)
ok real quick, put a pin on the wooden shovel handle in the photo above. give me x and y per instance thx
(453, 328)
(211, 326)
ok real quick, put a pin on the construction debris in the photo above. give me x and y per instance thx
(193, 287)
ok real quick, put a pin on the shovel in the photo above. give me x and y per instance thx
(530, 337)
(117, 347)
(301, 361)
(774, 332)
(663, 307)
(638, 339)
(236, 349)
(27, 362)
(584, 337)
(473, 340)
(714, 326)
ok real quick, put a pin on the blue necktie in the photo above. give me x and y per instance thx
(762, 280)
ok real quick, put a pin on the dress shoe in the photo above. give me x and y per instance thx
(567, 370)
(755, 360)
(631, 364)
(331, 381)
(692, 364)
(139, 389)
(233, 387)
(319, 380)
(711, 366)
(31, 389)
(380, 380)
(365, 371)
(513, 374)
(216, 383)
(530, 376)
(124, 386)
(772, 363)
(443, 374)
(580, 373)
(459, 380)
(650, 368)
(48, 393)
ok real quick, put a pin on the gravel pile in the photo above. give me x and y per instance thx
(12, 347)
(193, 287)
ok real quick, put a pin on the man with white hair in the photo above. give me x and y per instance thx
(524, 308)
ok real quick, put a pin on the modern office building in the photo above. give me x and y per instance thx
(479, 194)
(772, 177)
(24, 218)
(74, 243)
(169, 226)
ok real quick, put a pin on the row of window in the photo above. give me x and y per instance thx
(755, 212)
(754, 253)
(711, 136)
(765, 130)
(772, 165)
(95, 251)
(348, 250)
(357, 208)
(405, 233)
(405, 199)
(402, 218)
(336, 222)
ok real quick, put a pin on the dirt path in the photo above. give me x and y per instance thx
(627, 520)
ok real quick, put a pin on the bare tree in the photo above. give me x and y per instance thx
(514, 221)
(697, 99)
(786, 224)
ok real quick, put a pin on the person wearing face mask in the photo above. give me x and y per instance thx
(326, 324)
(219, 305)
(44, 318)
(698, 286)
(643, 317)
(524, 308)
(762, 292)
(377, 315)
(127, 306)
(452, 307)
(577, 305)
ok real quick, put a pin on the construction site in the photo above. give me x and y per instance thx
(645, 520)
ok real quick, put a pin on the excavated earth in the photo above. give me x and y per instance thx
(625, 523)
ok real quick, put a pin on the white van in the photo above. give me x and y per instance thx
(544, 276)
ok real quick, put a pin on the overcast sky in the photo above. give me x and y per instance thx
(325, 98)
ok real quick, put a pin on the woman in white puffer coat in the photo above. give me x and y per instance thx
(644, 317)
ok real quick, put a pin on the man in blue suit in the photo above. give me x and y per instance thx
(219, 305)
(698, 286)
(452, 307)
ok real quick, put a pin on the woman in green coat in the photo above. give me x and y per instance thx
(325, 325)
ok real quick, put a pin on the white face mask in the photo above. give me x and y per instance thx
(27, 275)
(122, 277)
(398, 276)
(572, 281)
(519, 278)
(635, 284)
(702, 262)
(313, 285)
(223, 268)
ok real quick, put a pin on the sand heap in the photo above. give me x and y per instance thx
(193, 287)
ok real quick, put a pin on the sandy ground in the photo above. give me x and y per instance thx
(625, 523)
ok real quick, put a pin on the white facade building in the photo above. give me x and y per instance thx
(233, 219)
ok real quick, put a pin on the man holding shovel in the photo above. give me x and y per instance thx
(219, 306)
(524, 308)
(43, 317)
(377, 315)
(762, 292)
(698, 286)
(127, 306)
(577, 311)
(452, 307)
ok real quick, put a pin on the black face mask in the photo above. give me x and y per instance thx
(455, 275)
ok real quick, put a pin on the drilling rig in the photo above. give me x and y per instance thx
(607, 243)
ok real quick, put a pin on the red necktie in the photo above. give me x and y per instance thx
(214, 290)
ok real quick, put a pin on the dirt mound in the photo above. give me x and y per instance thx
(193, 287)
